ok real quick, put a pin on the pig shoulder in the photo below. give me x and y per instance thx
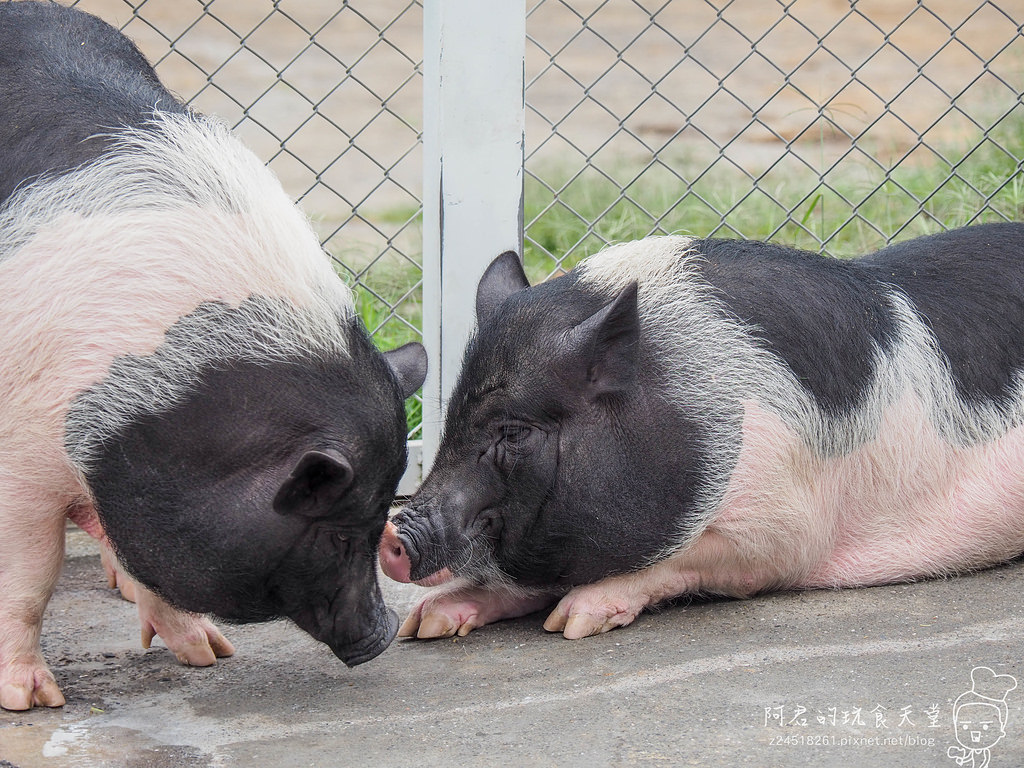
(67, 80)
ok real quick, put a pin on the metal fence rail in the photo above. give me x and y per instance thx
(835, 125)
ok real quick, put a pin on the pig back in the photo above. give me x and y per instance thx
(967, 287)
(67, 80)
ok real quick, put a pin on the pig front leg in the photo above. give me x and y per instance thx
(616, 601)
(31, 553)
(191, 637)
(715, 564)
(116, 577)
(459, 607)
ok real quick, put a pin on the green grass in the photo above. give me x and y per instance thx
(856, 208)
(389, 335)
(391, 287)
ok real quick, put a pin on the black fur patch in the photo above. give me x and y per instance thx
(186, 493)
(824, 317)
(66, 79)
(968, 287)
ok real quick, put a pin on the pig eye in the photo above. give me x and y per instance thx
(512, 442)
(515, 433)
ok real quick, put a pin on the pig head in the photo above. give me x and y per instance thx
(263, 491)
(536, 465)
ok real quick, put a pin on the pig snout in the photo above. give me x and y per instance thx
(330, 589)
(396, 564)
(394, 560)
(372, 645)
(355, 623)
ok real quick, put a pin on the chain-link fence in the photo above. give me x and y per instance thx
(329, 94)
(835, 125)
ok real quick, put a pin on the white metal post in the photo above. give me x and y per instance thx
(473, 124)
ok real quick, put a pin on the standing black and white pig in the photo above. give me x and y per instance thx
(680, 415)
(181, 372)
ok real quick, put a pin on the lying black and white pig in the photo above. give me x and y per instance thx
(181, 372)
(681, 416)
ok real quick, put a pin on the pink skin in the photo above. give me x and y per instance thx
(31, 564)
(73, 342)
(31, 553)
(894, 510)
(456, 608)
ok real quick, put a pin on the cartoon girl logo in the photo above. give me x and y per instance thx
(979, 717)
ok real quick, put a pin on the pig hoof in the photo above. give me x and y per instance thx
(192, 649)
(127, 588)
(444, 614)
(576, 619)
(191, 637)
(38, 690)
(437, 624)
(581, 625)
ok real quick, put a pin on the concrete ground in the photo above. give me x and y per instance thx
(854, 678)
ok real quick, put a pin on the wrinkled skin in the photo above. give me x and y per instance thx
(518, 495)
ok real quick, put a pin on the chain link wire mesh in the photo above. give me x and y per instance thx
(834, 125)
(329, 95)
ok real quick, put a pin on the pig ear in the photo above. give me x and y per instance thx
(409, 364)
(607, 342)
(317, 483)
(503, 277)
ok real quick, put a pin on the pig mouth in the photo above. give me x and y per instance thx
(437, 577)
(354, 645)
(370, 646)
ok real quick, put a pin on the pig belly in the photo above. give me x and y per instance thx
(903, 506)
(968, 513)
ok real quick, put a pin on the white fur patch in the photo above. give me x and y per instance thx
(103, 260)
(713, 362)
